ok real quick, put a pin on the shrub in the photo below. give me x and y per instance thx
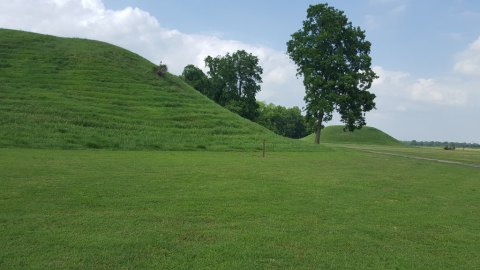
(449, 147)
(161, 69)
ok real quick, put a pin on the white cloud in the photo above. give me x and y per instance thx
(468, 61)
(431, 91)
(138, 31)
(400, 90)
(389, 77)
(440, 108)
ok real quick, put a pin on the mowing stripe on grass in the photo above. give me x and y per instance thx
(421, 158)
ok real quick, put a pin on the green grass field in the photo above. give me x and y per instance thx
(83, 184)
(335, 209)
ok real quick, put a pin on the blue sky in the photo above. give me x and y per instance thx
(426, 52)
(419, 36)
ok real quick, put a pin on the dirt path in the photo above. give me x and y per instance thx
(421, 158)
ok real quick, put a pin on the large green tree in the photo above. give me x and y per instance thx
(333, 58)
(235, 80)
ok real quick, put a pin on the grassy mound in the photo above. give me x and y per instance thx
(366, 135)
(75, 93)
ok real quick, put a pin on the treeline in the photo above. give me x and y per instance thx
(443, 144)
(233, 81)
(288, 122)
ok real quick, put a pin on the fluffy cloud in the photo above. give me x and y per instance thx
(404, 90)
(430, 90)
(426, 108)
(468, 61)
(140, 32)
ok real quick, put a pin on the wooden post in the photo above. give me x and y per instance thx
(263, 147)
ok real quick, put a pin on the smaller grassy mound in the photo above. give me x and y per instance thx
(365, 135)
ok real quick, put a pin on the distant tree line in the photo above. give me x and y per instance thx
(449, 145)
(288, 122)
(232, 81)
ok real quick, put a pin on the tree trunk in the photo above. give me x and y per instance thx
(318, 129)
(240, 82)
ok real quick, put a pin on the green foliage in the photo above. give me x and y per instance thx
(75, 93)
(340, 209)
(161, 69)
(333, 58)
(441, 144)
(365, 135)
(288, 122)
(449, 147)
(234, 82)
(198, 80)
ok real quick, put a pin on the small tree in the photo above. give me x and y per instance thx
(333, 58)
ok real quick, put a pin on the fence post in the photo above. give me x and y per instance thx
(263, 147)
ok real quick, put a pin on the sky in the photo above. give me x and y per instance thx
(426, 52)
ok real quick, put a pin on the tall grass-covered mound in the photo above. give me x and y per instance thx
(75, 93)
(365, 135)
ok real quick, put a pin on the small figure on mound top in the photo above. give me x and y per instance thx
(161, 69)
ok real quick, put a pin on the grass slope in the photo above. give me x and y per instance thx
(342, 209)
(75, 93)
(365, 135)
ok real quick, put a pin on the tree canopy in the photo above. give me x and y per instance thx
(198, 80)
(333, 58)
(235, 80)
(288, 122)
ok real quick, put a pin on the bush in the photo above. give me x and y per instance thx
(161, 69)
(449, 147)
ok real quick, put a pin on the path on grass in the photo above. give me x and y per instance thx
(420, 158)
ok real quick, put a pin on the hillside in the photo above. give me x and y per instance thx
(75, 93)
(365, 135)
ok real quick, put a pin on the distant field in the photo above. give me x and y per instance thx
(339, 209)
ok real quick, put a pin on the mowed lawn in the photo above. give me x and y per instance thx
(340, 208)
